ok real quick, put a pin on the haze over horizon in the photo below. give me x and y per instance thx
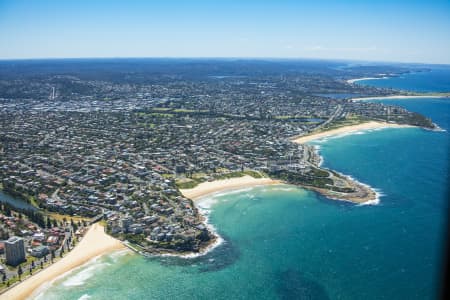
(400, 31)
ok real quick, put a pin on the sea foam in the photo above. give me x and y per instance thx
(81, 277)
(78, 278)
(349, 133)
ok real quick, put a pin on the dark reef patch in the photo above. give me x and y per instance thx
(221, 257)
(291, 284)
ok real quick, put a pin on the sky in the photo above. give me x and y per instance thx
(382, 30)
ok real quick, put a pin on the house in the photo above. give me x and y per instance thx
(39, 251)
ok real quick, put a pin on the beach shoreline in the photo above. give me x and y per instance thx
(352, 81)
(94, 243)
(212, 187)
(364, 194)
(347, 129)
(399, 97)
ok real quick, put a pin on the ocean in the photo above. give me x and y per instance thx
(283, 242)
(436, 80)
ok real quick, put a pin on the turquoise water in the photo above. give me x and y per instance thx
(283, 242)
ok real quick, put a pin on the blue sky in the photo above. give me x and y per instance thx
(404, 31)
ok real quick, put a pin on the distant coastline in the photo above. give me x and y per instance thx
(352, 81)
(400, 97)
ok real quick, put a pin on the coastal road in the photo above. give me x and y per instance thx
(336, 114)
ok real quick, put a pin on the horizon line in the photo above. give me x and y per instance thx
(220, 58)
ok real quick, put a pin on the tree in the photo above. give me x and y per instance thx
(4, 277)
(7, 211)
(19, 271)
(49, 223)
(4, 234)
(42, 265)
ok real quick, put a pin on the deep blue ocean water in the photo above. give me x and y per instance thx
(283, 242)
(436, 80)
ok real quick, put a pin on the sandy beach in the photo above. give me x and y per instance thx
(95, 242)
(351, 81)
(399, 97)
(206, 188)
(347, 129)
